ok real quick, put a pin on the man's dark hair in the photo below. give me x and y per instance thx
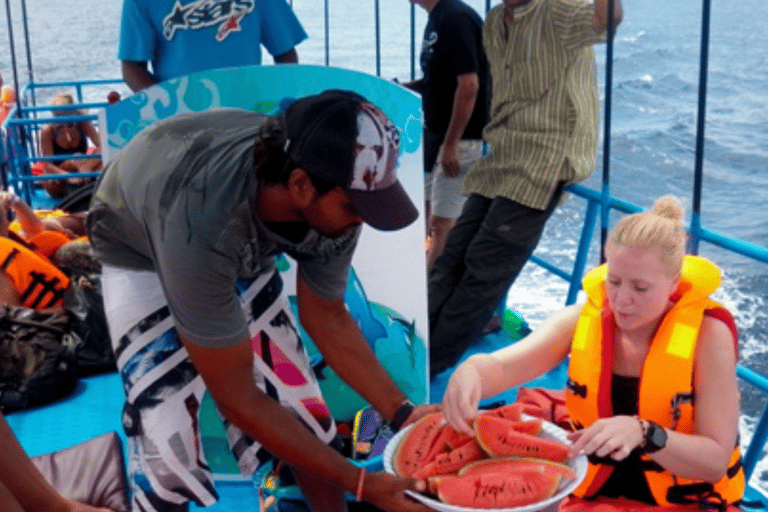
(273, 165)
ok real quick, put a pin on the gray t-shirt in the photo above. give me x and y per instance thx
(180, 200)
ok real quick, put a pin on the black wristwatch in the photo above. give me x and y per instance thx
(401, 414)
(654, 437)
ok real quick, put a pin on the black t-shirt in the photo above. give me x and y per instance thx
(453, 46)
(627, 479)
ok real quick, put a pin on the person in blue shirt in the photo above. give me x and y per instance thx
(164, 39)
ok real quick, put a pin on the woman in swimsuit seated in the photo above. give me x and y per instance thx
(67, 139)
(652, 388)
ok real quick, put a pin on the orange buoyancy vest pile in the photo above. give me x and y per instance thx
(666, 394)
(39, 283)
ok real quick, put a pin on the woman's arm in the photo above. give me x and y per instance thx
(90, 131)
(485, 375)
(705, 455)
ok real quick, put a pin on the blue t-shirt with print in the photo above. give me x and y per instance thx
(181, 38)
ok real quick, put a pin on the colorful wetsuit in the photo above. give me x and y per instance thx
(666, 393)
(39, 283)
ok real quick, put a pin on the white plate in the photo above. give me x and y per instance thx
(549, 430)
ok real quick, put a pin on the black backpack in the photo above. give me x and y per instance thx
(37, 358)
(85, 305)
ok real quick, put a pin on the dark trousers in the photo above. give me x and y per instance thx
(484, 252)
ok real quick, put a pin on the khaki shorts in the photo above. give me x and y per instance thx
(445, 195)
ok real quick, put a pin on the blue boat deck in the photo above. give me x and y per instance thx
(95, 408)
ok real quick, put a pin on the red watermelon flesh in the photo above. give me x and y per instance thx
(509, 465)
(451, 462)
(412, 450)
(495, 490)
(498, 439)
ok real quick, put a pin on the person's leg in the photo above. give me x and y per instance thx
(507, 237)
(438, 230)
(167, 467)
(447, 199)
(283, 371)
(430, 147)
(449, 267)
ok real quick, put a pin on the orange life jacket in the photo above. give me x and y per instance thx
(666, 383)
(39, 283)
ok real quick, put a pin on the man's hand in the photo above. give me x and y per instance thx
(419, 412)
(449, 159)
(388, 492)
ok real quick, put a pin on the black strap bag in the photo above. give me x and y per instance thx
(37, 358)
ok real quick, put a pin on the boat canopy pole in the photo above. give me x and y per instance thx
(327, 35)
(12, 45)
(378, 38)
(29, 52)
(698, 170)
(606, 191)
(413, 42)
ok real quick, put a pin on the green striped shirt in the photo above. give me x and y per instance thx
(544, 104)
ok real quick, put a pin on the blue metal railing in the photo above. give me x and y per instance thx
(22, 127)
(599, 204)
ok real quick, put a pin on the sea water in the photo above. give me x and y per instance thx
(655, 77)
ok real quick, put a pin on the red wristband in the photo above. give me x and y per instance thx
(360, 480)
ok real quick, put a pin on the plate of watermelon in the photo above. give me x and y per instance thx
(512, 462)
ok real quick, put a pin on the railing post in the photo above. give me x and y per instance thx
(698, 174)
(604, 210)
(587, 230)
(327, 34)
(378, 39)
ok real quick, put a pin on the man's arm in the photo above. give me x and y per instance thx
(289, 57)
(600, 21)
(22, 486)
(468, 84)
(228, 376)
(136, 75)
(345, 349)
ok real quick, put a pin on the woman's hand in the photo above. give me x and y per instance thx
(612, 437)
(462, 396)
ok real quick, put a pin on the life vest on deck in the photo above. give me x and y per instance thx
(39, 283)
(666, 383)
(45, 242)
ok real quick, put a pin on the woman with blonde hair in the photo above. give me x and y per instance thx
(67, 139)
(652, 388)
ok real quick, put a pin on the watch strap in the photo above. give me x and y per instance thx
(401, 414)
(654, 437)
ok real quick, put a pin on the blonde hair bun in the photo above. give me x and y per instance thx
(668, 207)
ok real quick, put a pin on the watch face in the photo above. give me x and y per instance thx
(657, 438)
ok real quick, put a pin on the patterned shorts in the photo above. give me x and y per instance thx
(163, 390)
